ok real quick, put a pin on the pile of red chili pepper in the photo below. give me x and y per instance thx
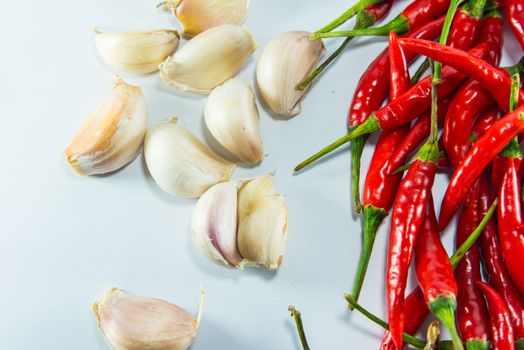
(477, 293)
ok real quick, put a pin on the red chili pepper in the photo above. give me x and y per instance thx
(486, 120)
(496, 81)
(501, 330)
(481, 154)
(379, 187)
(471, 311)
(371, 91)
(435, 274)
(491, 33)
(402, 110)
(415, 14)
(498, 276)
(417, 134)
(377, 11)
(515, 16)
(417, 311)
(511, 233)
(407, 217)
(464, 30)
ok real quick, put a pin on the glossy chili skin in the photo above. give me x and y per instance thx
(493, 263)
(417, 311)
(515, 16)
(511, 234)
(379, 187)
(495, 80)
(418, 133)
(472, 314)
(486, 120)
(480, 155)
(377, 11)
(372, 89)
(417, 99)
(491, 33)
(467, 104)
(422, 11)
(464, 29)
(434, 271)
(407, 217)
(501, 330)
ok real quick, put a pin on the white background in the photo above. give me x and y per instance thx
(66, 239)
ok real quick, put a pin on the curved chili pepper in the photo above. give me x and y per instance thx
(510, 224)
(491, 33)
(481, 154)
(380, 187)
(496, 271)
(486, 120)
(402, 110)
(495, 80)
(471, 311)
(370, 93)
(515, 16)
(407, 217)
(416, 135)
(414, 15)
(434, 272)
(501, 330)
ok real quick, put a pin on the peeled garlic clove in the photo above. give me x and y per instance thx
(262, 223)
(180, 164)
(138, 323)
(285, 61)
(208, 59)
(136, 52)
(232, 117)
(197, 16)
(113, 133)
(214, 224)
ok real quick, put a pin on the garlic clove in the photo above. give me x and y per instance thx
(197, 16)
(232, 117)
(180, 163)
(136, 52)
(285, 61)
(112, 135)
(139, 323)
(214, 224)
(262, 223)
(208, 59)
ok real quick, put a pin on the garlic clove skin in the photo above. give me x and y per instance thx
(139, 323)
(262, 223)
(231, 115)
(180, 163)
(209, 59)
(284, 62)
(214, 224)
(112, 135)
(136, 52)
(197, 16)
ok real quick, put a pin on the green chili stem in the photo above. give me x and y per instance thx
(300, 327)
(468, 243)
(420, 70)
(433, 134)
(399, 25)
(346, 15)
(405, 167)
(514, 93)
(453, 6)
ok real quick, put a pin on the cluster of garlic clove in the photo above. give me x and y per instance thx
(209, 59)
(197, 16)
(112, 135)
(131, 322)
(284, 63)
(180, 163)
(242, 223)
(136, 52)
(231, 116)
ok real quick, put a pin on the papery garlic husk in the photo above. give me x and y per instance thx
(262, 223)
(214, 224)
(242, 222)
(136, 52)
(139, 323)
(209, 59)
(180, 163)
(112, 135)
(284, 63)
(197, 16)
(232, 117)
